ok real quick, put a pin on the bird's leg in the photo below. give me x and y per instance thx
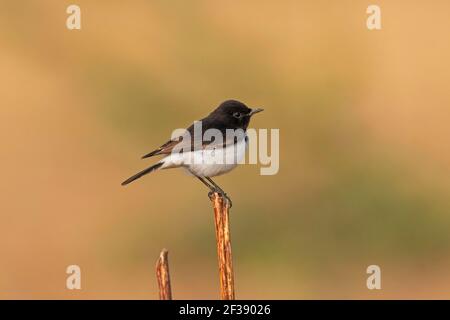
(211, 188)
(214, 188)
(206, 183)
(220, 191)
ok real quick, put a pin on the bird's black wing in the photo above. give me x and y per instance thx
(190, 142)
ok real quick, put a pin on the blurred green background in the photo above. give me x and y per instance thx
(364, 164)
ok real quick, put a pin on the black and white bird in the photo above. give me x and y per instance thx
(206, 158)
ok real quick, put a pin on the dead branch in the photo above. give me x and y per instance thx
(221, 219)
(163, 276)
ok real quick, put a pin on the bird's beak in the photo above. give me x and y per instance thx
(256, 110)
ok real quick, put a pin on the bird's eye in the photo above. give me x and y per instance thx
(237, 115)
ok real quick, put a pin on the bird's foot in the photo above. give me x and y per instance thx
(223, 194)
(230, 203)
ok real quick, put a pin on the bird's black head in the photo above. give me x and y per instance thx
(234, 114)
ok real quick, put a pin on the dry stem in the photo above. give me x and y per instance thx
(221, 219)
(163, 276)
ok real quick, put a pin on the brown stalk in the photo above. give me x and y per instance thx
(163, 276)
(221, 219)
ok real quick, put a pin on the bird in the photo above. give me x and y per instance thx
(198, 155)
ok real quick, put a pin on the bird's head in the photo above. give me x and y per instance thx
(234, 114)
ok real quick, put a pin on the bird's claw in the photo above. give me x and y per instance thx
(230, 203)
(223, 194)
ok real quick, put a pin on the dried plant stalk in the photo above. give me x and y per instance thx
(163, 276)
(226, 274)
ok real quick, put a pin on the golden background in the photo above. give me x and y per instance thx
(364, 151)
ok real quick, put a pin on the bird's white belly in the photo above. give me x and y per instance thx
(210, 170)
(208, 162)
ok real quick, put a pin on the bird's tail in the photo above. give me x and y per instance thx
(143, 173)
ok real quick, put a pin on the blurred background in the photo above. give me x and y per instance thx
(364, 164)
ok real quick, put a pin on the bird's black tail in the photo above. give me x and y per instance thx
(142, 173)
